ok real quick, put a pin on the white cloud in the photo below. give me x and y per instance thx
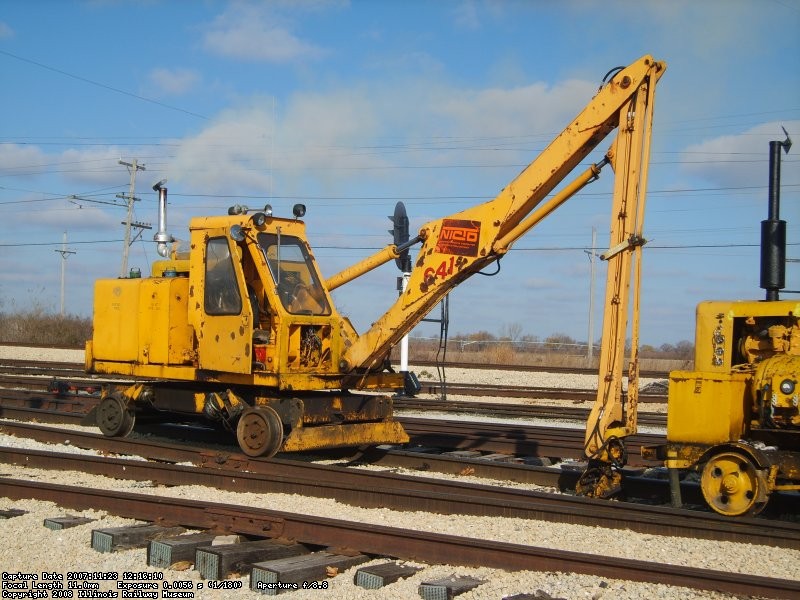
(83, 216)
(174, 81)
(315, 141)
(255, 33)
(740, 159)
(5, 31)
(346, 137)
(96, 166)
(537, 109)
(230, 155)
(21, 160)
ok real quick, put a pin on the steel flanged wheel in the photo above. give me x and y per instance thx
(260, 431)
(114, 418)
(731, 485)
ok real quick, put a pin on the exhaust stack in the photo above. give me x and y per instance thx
(773, 230)
(162, 237)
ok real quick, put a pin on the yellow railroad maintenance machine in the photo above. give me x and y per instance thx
(241, 328)
(735, 419)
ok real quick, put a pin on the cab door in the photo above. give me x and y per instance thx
(225, 331)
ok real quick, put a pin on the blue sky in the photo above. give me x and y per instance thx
(350, 107)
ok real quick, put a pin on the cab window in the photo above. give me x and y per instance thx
(294, 275)
(222, 295)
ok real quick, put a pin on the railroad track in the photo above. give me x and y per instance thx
(477, 456)
(59, 394)
(529, 368)
(378, 540)
(22, 369)
(440, 498)
(514, 411)
(237, 472)
(445, 500)
(65, 379)
(529, 392)
(512, 440)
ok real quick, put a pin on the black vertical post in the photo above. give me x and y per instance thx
(773, 230)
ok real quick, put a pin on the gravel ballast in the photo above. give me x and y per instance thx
(29, 547)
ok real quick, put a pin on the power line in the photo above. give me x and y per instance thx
(101, 85)
(340, 199)
(373, 248)
(575, 248)
(27, 244)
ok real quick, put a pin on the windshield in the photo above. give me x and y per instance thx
(293, 273)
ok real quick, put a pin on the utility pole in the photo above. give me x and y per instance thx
(64, 255)
(133, 167)
(590, 340)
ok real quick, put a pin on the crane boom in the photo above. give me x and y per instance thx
(458, 246)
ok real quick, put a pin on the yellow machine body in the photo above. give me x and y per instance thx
(245, 323)
(736, 419)
(707, 408)
(241, 327)
(244, 331)
(143, 322)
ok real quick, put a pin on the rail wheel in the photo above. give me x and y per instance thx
(260, 431)
(114, 418)
(731, 485)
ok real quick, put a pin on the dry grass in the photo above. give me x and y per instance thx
(36, 326)
(512, 354)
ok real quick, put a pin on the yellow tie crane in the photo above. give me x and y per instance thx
(241, 327)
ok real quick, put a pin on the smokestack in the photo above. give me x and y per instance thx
(162, 237)
(773, 230)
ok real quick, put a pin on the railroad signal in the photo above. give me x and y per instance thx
(400, 235)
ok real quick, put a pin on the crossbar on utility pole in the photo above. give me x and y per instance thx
(64, 255)
(133, 167)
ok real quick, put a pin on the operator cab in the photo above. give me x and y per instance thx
(293, 275)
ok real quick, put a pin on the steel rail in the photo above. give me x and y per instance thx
(44, 383)
(514, 411)
(511, 439)
(24, 405)
(535, 392)
(432, 548)
(515, 439)
(650, 489)
(416, 458)
(54, 398)
(650, 374)
(28, 367)
(388, 490)
(35, 378)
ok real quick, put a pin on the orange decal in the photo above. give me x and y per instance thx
(459, 237)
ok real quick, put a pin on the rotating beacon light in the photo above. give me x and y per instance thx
(162, 238)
